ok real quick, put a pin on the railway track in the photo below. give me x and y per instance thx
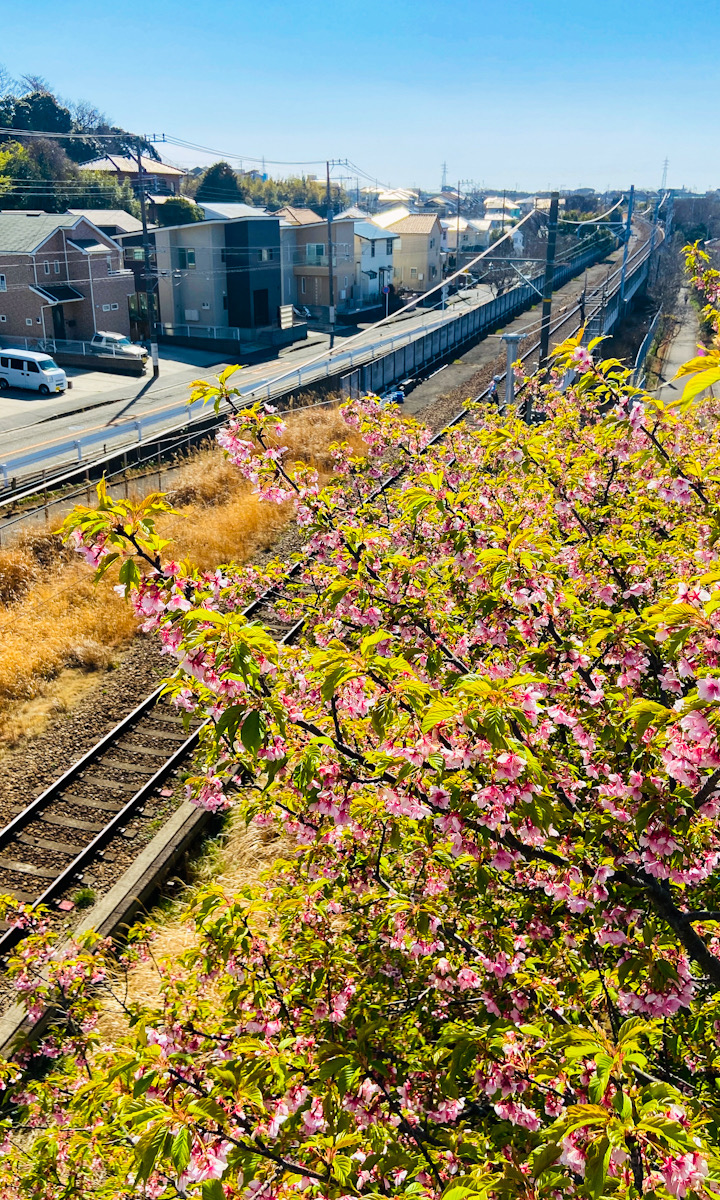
(48, 845)
(46, 848)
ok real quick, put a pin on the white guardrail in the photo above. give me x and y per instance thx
(471, 321)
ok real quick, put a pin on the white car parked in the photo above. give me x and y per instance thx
(118, 345)
(27, 369)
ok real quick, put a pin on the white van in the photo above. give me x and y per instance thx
(26, 369)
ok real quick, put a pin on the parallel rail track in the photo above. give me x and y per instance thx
(48, 845)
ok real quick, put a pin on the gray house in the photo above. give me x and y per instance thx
(220, 279)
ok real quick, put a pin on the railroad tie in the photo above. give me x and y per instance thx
(21, 868)
(71, 822)
(28, 839)
(129, 768)
(89, 802)
(113, 785)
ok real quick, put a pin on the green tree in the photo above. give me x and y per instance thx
(40, 110)
(178, 211)
(219, 183)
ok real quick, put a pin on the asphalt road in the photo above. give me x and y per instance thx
(40, 432)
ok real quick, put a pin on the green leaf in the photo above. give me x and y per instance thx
(543, 1158)
(252, 731)
(647, 712)
(596, 1165)
(212, 1189)
(180, 1150)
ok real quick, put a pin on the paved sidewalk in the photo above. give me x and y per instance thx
(682, 348)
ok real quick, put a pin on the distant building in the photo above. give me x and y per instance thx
(298, 216)
(496, 204)
(158, 177)
(450, 227)
(60, 277)
(374, 263)
(417, 254)
(386, 219)
(110, 220)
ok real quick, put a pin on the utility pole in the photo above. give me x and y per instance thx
(331, 278)
(457, 242)
(511, 341)
(548, 281)
(502, 227)
(628, 226)
(149, 295)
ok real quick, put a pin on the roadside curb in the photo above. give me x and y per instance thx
(115, 912)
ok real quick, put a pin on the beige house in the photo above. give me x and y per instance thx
(417, 255)
(310, 268)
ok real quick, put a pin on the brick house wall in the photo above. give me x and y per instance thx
(99, 276)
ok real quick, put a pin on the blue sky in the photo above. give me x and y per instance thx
(507, 92)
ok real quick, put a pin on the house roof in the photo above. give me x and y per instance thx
(109, 216)
(129, 166)
(395, 195)
(392, 215)
(89, 245)
(57, 293)
(300, 216)
(228, 212)
(415, 223)
(22, 232)
(372, 233)
(453, 222)
(355, 213)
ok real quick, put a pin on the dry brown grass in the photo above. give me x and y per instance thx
(233, 865)
(53, 618)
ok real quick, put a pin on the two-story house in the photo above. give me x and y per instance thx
(374, 263)
(311, 267)
(158, 177)
(222, 279)
(417, 252)
(60, 277)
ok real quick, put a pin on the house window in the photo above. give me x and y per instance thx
(46, 268)
(3, 317)
(388, 246)
(223, 257)
(106, 308)
(432, 243)
(225, 303)
(3, 283)
(413, 272)
(57, 267)
(433, 272)
(372, 249)
(345, 280)
(138, 253)
(28, 321)
(265, 255)
(303, 288)
(186, 258)
(114, 307)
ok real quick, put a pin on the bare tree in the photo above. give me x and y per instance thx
(8, 85)
(36, 83)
